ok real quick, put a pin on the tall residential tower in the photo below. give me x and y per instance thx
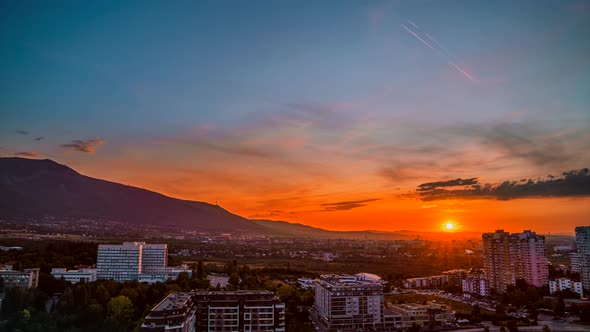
(508, 257)
(583, 257)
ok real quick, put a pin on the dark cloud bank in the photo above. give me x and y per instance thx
(572, 183)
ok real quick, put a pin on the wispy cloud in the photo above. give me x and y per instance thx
(28, 154)
(87, 146)
(348, 205)
(22, 132)
(571, 183)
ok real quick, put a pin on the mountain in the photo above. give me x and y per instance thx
(285, 227)
(32, 188)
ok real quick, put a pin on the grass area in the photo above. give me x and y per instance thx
(422, 298)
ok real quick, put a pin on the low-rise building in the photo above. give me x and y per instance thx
(248, 311)
(74, 276)
(475, 284)
(426, 282)
(28, 278)
(562, 284)
(176, 312)
(431, 314)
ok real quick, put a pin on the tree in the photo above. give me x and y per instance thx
(500, 309)
(512, 326)
(546, 328)
(559, 307)
(414, 328)
(102, 296)
(200, 271)
(120, 311)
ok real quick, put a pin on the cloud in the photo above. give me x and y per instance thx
(87, 146)
(451, 183)
(28, 154)
(349, 205)
(526, 141)
(22, 132)
(570, 184)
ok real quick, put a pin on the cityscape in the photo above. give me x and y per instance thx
(295, 166)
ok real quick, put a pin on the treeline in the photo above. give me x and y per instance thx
(102, 305)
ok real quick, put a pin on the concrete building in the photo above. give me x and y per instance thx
(247, 311)
(74, 276)
(344, 301)
(575, 262)
(177, 312)
(518, 256)
(28, 278)
(432, 315)
(426, 282)
(132, 261)
(154, 258)
(530, 257)
(583, 247)
(562, 284)
(475, 284)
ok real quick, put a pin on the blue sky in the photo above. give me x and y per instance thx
(337, 92)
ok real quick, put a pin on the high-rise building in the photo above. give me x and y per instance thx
(154, 258)
(583, 247)
(132, 261)
(475, 283)
(251, 311)
(575, 262)
(497, 260)
(345, 301)
(518, 256)
(531, 258)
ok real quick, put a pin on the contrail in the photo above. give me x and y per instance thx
(439, 48)
(461, 70)
(412, 23)
(415, 35)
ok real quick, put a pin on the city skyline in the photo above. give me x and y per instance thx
(344, 116)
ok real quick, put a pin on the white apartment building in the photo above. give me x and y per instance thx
(562, 284)
(583, 246)
(345, 301)
(132, 261)
(74, 276)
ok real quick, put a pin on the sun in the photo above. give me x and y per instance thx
(449, 226)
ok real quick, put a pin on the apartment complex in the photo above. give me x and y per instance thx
(562, 284)
(132, 261)
(583, 247)
(248, 311)
(345, 301)
(74, 276)
(28, 278)
(475, 284)
(508, 257)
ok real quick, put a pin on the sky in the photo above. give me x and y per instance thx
(345, 115)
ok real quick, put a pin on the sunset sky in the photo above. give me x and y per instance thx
(346, 115)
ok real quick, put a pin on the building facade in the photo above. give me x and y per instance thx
(348, 302)
(28, 278)
(508, 257)
(247, 311)
(432, 315)
(475, 284)
(583, 248)
(132, 261)
(562, 284)
(497, 260)
(74, 276)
